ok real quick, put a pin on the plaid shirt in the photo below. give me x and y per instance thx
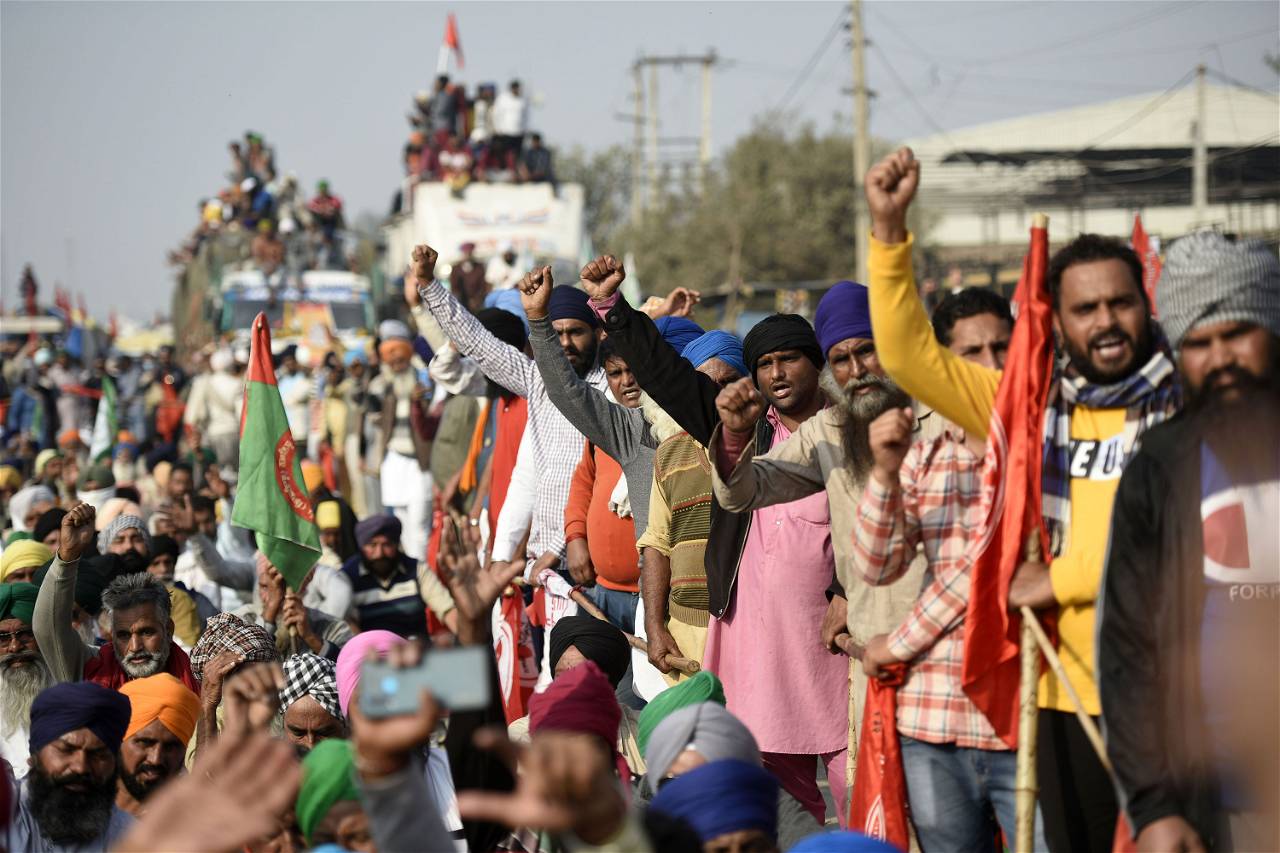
(935, 506)
(557, 444)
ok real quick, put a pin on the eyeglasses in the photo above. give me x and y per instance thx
(24, 637)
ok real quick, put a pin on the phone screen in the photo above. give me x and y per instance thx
(457, 678)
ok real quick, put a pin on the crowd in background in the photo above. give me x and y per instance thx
(689, 558)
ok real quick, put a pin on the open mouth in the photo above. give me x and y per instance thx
(780, 391)
(631, 394)
(1110, 349)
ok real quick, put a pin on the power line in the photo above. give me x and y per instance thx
(1228, 79)
(836, 26)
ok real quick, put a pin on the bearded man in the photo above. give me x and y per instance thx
(830, 451)
(139, 616)
(23, 672)
(163, 719)
(67, 802)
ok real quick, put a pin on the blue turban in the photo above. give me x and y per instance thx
(842, 314)
(570, 303)
(716, 344)
(843, 842)
(508, 300)
(722, 797)
(73, 705)
(378, 525)
(678, 331)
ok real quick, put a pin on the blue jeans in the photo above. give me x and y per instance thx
(619, 606)
(950, 788)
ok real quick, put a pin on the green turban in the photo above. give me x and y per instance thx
(703, 687)
(18, 601)
(328, 778)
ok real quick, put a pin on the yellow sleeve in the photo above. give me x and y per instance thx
(961, 391)
(658, 534)
(186, 623)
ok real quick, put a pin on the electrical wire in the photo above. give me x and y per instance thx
(836, 26)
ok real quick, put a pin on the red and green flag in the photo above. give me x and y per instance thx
(270, 499)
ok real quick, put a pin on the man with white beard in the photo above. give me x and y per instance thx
(23, 672)
(138, 607)
(830, 451)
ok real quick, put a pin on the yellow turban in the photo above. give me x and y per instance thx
(327, 515)
(10, 478)
(312, 475)
(162, 697)
(43, 457)
(23, 555)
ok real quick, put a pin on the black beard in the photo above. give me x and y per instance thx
(1079, 360)
(382, 567)
(857, 412)
(138, 789)
(133, 562)
(68, 817)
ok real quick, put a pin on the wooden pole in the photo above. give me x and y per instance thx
(1055, 663)
(1025, 784)
(685, 665)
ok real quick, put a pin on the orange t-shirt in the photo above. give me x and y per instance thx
(610, 539)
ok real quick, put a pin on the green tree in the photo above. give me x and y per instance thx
(605, 177)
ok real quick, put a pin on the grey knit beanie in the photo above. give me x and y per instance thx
(1209, 279)
(122, 522)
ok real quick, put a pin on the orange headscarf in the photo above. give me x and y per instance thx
(162, 697)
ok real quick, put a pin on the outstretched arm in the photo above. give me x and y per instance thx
(59, 643)
(501, 362)
(960, 390)
(676, 386)
(616, 430)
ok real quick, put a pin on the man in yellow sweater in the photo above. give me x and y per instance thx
(1115, 379)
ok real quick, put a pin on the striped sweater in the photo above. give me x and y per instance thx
(680, 521)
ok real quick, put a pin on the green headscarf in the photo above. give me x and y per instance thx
(703, 687)
(18, 601)
(328, 778)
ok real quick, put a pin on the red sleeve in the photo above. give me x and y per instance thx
(575, 511)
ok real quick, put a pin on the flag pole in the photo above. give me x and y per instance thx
(1026, 786)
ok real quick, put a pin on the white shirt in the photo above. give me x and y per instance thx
(510, 115)
(502, 275)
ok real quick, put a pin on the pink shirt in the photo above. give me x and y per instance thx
(778, 679)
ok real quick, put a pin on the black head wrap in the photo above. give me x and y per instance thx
(50, 521)
(504, 326)
(779, 332)
(598, 641)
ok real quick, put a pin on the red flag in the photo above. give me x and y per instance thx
(1151, 265)
(513, 648)
(878, 804)
(1010, 501)
(451, 41)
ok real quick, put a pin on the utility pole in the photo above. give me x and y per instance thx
(1200, 155)
(648, 140)
(637, 148)
(861, 137)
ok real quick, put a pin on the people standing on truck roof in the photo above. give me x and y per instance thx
(327, 221)
(535, 163)
(510, 122)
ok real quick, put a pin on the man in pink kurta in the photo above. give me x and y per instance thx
(766, 647)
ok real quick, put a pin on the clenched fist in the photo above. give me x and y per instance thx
(535, 292)
(890, 439)
(890, 186)
(424, 264)
(602, 277)
(77, 532)
(740, 405)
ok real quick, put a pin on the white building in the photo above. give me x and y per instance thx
(1093, 168)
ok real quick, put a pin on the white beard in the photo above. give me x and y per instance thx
(18, 689)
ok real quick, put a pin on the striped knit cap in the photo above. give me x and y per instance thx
(1210, 279)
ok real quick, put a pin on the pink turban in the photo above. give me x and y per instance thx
(352, 656)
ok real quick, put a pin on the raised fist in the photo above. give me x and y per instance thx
(890, 186)
(424, 264)
(890, 439)
(535, 292)
(77, 532)
(602, 277)
(740, 405)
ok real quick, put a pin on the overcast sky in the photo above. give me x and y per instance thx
(114, 117)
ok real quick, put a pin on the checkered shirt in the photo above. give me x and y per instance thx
(557, 444)
(936, 505)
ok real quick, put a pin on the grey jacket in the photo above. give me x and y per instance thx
(620, 432)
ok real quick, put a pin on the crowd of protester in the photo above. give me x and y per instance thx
(456, 138)
(686, 555)
(265, 221)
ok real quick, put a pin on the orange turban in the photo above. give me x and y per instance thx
(312, 475)
(162, 697)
